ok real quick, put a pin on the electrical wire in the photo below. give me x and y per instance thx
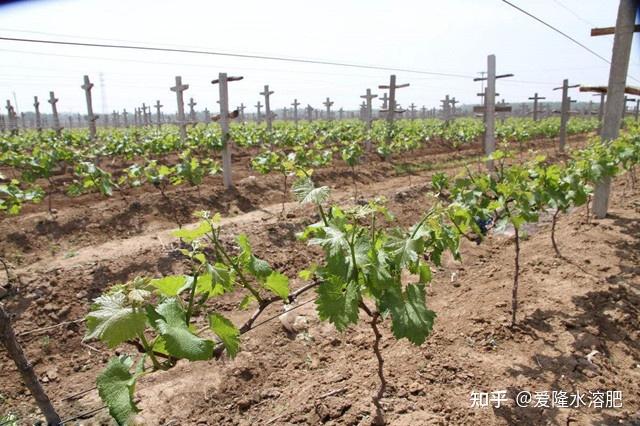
(567, 36)
(232, 55)
(559, 3)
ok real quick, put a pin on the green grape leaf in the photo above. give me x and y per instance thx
(424, 272)
(179, 340)
(306, 192)
(334, 241)
(405, 249)
(169, 286)
(257, 267)
(218, 280)
(188, 235)
(278, 284)
(246, 301)
(227, 332)
(338, 303)
(112, 321)
(116, 386)
(409, 314)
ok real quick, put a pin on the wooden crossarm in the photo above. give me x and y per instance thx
(609, 30)
(630, 90)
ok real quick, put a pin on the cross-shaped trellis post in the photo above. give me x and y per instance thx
(625, 110)
(446, 105)
(207, 116)
(564, 111)
(535, 100)
(327, 105)
(453, 103)
(222, 82)
(340, 114)
(368, 115)
(192, 112)
(392, 111)
(489, 108)
(589, 110)
(295, 105)
(423, 112)
(241, 109)
(158, 114)
(146, 114)
(36, 105)
(179, 88)
(412, 111)
(267, 106)
(115, 118)
(13, 119)
(258, 114)
(54, 111)
(385, 104)
(136, 117)
(125, 119)
(309, 110)
(91, 117)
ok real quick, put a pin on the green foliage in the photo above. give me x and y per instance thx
(116, 385)
(179, 340)
(365, 260)
(114, 319)
(227, 332)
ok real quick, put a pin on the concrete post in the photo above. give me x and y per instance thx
(615, 93)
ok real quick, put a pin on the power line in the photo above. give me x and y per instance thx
(557, 30)
(233, 55)
(559, 3)
(567, 36)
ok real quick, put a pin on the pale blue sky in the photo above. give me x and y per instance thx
(445, 36)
